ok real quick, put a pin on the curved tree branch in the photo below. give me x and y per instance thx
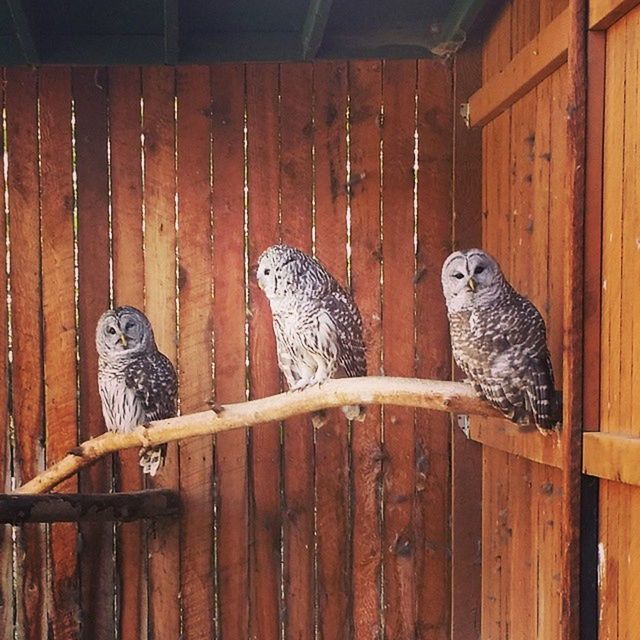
(438, 395)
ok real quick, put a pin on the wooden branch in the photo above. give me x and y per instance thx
(453, 397)
(74, 507)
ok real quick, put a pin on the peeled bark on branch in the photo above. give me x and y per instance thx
(453, 397)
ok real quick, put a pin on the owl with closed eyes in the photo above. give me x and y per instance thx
(498, 338)
(137, 383)
(317, 324)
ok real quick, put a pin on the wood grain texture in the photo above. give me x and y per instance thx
(7, 603)
(125, 128)
(397, 326)
(263, 182)
(96, 558)
(158, 92)
(193, 92)
(228, 91)
(603, 13)
(27, 393)
(433, 359)
(296, 197)
(365, 91)
(58, 305)
(332, 472)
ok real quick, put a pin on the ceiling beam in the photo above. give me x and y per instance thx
(314, 27)
(446, 38)
(171, 32)
(24, 31)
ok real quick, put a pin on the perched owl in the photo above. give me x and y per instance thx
(317, 324)
(499, 340)
(137, 383)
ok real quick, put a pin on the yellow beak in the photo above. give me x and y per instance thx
(123, 339)
(472, 284)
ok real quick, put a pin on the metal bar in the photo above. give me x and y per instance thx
(74, 507)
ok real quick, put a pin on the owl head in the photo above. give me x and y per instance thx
(469, 279)
(123, 331)
(284, 271)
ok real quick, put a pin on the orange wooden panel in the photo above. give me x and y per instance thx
(263, 181)
(195, 347)
(58, 302)
(6, 542)
(433, 358)
(96, 557)
(525, 23)
(227, 85)
(333, 527)
(158, 91)
(365, 90)
(603, 13)
(612, 456)
(397, 330)
(125, 127)
(296, 183)
(26, 306)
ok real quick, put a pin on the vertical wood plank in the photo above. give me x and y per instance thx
(227, 85)
(96, 557)
(365, 90)
(399, 84)
(296, 192)
(26, 307)
(158, 91)
(433, 358)
(265, 517)
(466, 456)
(195, 347)
(7, 587)
(58, 301)
(125, 128)
(332, 450)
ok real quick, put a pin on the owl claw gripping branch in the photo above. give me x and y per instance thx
(499, 340)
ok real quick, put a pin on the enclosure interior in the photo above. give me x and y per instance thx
(159, 186)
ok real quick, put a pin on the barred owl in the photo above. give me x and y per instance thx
(137, 383)
(317, 325)
(499, 340)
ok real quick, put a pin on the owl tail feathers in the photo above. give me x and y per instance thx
(354, 412)
(152, 459)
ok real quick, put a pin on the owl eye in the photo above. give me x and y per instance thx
(111, 330)
(267, 272)
(128, 326)
(458, 275)
(478, 270)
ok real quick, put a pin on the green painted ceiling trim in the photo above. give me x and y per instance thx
(448, 37)
(171, 32)
(24, 31)
(314, 27)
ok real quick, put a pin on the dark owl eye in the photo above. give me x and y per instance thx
(478, 270)
(458, 275)
(128, 326)
(267, 272)
(111, 330)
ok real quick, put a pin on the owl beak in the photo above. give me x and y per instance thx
(123, 339)
(472, 284)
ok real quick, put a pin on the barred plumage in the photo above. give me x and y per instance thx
(317, 325)
(499, 340)
(137, 383)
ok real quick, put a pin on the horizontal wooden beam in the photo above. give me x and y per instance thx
(611, 456)
(537, 60)
(603, 13)
(453, 397)
(106, 507)
(530, 443)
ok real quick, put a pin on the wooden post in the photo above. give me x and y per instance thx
(573, 332)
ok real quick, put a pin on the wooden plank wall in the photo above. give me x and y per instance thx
(523, 200)
(619, 547)
(159, 187)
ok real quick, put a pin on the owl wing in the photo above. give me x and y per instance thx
(347, 323)
(154, 380)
